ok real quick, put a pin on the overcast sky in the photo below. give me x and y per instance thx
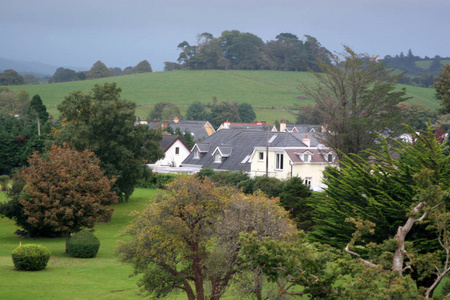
(122, 33)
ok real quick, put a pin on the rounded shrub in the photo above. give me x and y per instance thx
(83, 244)
(30, 257)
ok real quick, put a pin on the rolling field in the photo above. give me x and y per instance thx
(271, 93)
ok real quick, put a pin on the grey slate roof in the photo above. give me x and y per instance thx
(236, 145)
(196, 128)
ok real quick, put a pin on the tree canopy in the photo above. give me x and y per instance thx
(189, 237)
(356, 99)
(143, 67)
(65, 191)
(442, 87)
(98, 70)
(104, 123)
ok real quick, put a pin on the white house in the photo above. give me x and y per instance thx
(175, 150)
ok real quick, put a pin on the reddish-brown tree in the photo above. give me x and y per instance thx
(66, 191)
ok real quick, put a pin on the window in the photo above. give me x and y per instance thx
(217, 158)
(196, 154)
(330, 157)
(308, 181)
(279, 161)
(261, 155)
(177, 150)
(306, 157)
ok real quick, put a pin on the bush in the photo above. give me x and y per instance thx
(83, 244)
(4, 179)
(30, 257)
(156, 180)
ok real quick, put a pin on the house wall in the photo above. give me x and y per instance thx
(303, 170)
(172, 159)
(209, 129)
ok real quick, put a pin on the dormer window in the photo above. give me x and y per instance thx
(196, 154)
(217, 157)
(330, 158)
(306, 157)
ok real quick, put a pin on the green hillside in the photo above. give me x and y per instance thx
(270, 92)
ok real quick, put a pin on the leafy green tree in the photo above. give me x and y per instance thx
(98, 70)
(104, 123)
(11, 77)
(63, 75)
(189, 237)
(163, 111)
(143, 67)
(223, 111)
(442, 87)
(196, 111)
(128, 70)
(65, 191)
(37, 107)
(241, 49)
(246, 112)
(30, 79)
(417, 116)
(14, 103)
(357, 99)
(295, 198)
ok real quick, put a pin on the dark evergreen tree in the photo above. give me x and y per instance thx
(246, 112)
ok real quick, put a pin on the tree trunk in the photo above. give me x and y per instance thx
(188, 290)
(67, 241)
(399, 256)
(198, 275)
(258, 284)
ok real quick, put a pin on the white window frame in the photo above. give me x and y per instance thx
(330, 155)
(279, 161)
(196, 154)
(217, 157)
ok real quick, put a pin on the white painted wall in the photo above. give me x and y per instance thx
(173, 159)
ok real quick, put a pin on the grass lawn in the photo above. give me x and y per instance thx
(102, 277)
(269, 92)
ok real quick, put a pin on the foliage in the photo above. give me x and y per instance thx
(38, 108)
(270, 186)
(104, 123)
(196, 111)
(14, 102)
(222, 112)
(246, 51)
(11, 77)
(442, 88)
(164, 111)
(30, 79)
(63, 75)
(295, 198)
(143, 67)
(417, 116)
(98, 70)
(246, 113)
(190, 236)
(65, 192)
(4, 181)
(83, 244)
(156, 180)
(30, 257)
(384, 191)
(18, 139)
(357, 99)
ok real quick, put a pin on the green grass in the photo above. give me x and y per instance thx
(102, 277)
(426, 64)
(269, 92)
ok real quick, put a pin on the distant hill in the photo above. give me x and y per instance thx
(271, 93)
(39, 70)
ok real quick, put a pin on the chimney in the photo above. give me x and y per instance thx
(176, 120)
(324, 128)
(307, 141)
(282, 126)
